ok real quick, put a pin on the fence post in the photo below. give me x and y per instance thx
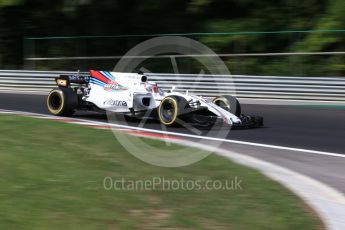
(29, 52)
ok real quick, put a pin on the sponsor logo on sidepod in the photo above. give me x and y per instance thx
(114, 86)
(117, 103)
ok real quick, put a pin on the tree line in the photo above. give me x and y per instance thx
(20, 19)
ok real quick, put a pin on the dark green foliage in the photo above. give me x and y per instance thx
(41, 18)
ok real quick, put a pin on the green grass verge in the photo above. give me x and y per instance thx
(52, 178)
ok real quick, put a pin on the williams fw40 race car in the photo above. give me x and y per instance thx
(134, 96)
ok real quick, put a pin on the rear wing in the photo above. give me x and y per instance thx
(65, 80)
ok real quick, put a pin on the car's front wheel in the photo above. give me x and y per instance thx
(229, 103)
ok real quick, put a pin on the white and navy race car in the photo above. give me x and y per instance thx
(133, 95)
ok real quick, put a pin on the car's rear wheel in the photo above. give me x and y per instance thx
(168, 111)
(229, 103)
(62, 101)
(170, 108)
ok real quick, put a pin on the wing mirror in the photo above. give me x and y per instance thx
(172, 89)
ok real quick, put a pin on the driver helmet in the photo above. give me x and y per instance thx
(152, 87)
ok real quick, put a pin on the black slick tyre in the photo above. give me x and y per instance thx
(170, 108)
(62, 101)
(229, 103)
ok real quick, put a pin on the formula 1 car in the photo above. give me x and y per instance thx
(133, 95)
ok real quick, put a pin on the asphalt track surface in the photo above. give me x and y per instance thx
(314, 128)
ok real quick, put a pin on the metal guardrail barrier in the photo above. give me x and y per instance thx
(245, 87)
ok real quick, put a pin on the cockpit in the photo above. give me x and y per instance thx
(152, 87)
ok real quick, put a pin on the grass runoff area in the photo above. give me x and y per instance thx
(52, 177)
